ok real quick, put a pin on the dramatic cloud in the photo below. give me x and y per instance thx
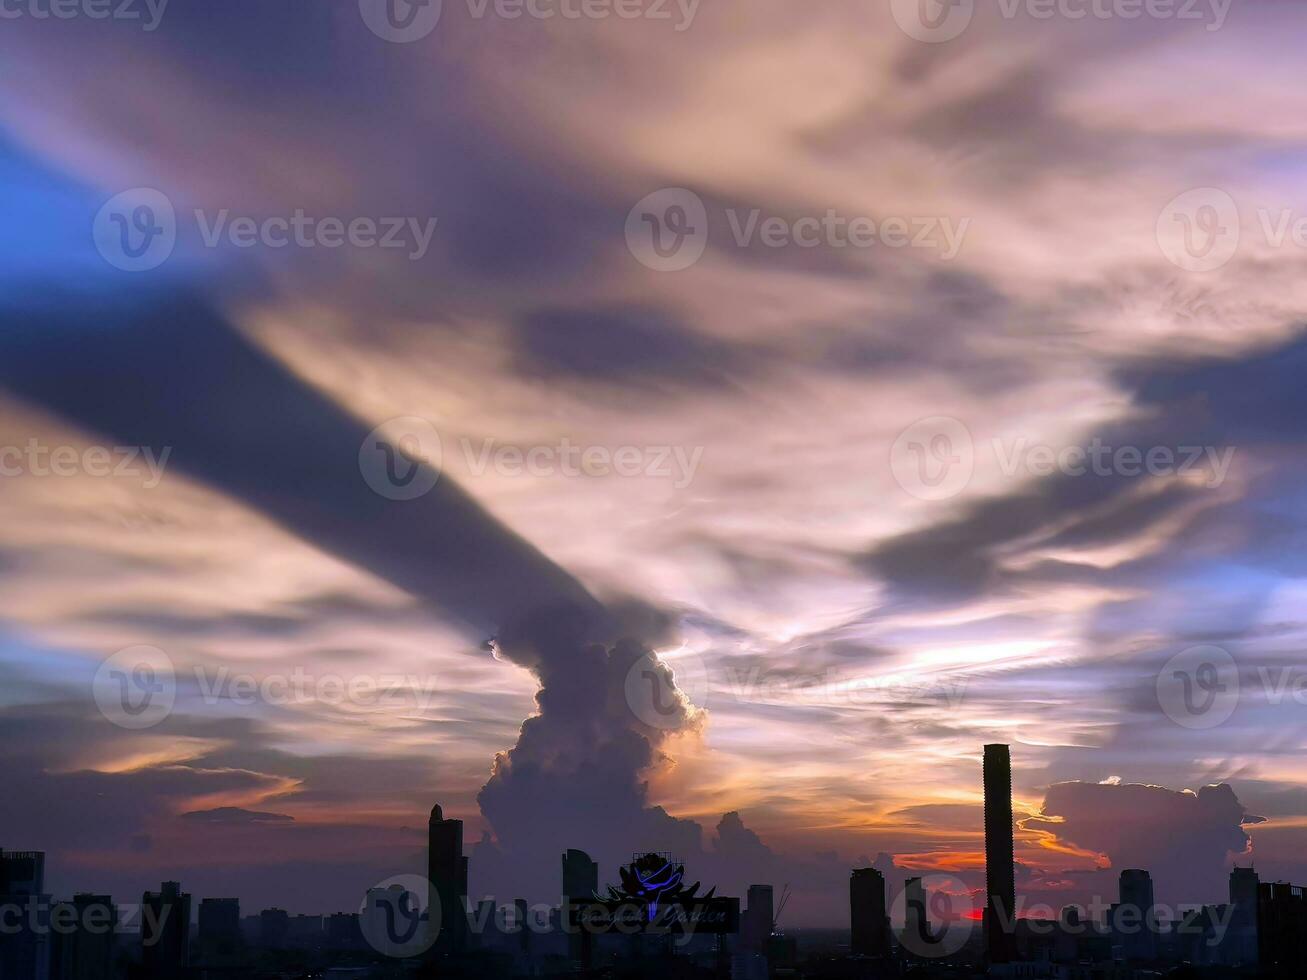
(1187, 841)
(848, 643)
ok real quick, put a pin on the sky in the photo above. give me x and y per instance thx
(638, 425)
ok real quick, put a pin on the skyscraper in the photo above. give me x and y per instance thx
(870, 929)
(165, 932)
(1135, 919)
(87, 948)
(756, 921)
(580, 882)
(24, 948)
(447, 873)
(219, 936)
(1000, 873)
(580, 875)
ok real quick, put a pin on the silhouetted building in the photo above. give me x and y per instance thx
(447, 874)
(274, 928)
(867, 915)
(24, 947)
(219, 936)
(580, 883)
(580, 875)
(85, 944)
(1000, 871)
(1134, 918)
(1241, 936)
(343, 932)
(1281, 928)
(756, 919)
(165, 932)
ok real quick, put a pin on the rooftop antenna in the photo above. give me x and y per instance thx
(785, 898)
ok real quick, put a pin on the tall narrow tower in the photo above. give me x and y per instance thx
(1000, 877)
(447, 873)
(869, 926)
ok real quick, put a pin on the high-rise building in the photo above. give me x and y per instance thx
(870, 925)
(1135, 918)
(1000, 865)
(219, 936)
(1281, 928)
(757, 918)
(274, 928)
(1241, 944)
(447, 874)
(580, 883)
(580, 875)
(25, 948)
(86, 947)
(165, 932)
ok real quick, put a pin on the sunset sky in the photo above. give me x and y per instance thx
(847, 631)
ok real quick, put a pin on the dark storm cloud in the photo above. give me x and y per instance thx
(1240, 405)
(1186, 840)
(171, 372)
(619, 346)
(235, 815)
